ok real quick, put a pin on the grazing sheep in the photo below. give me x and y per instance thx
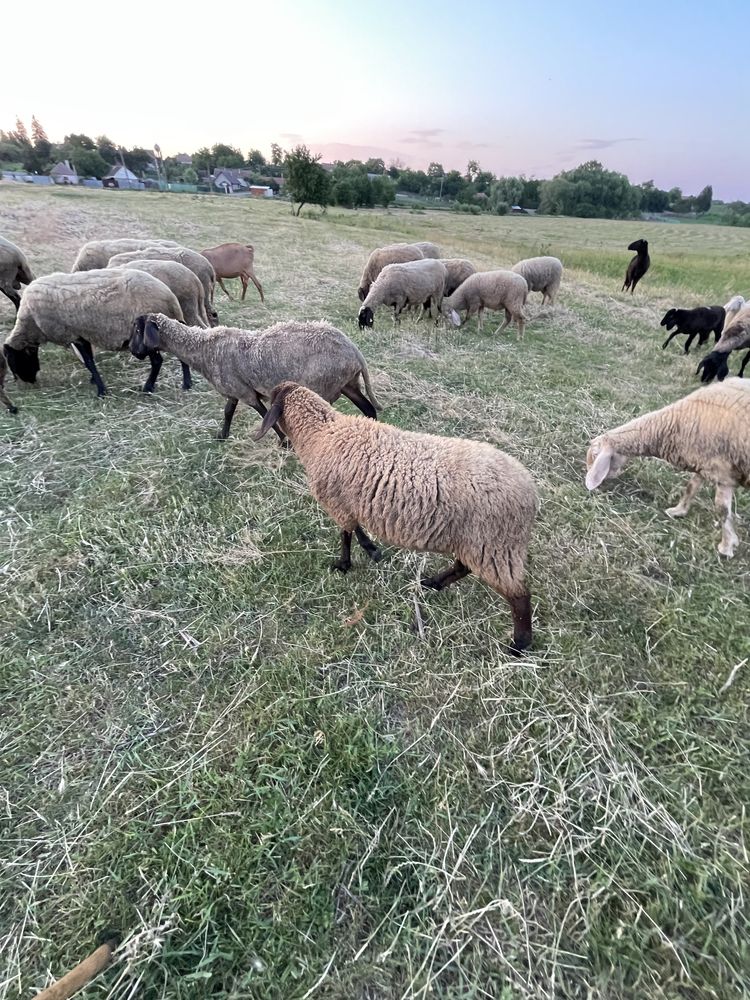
(180, 280)
(705, 433)
(433, 494)
(246, 365)
(542, 274)
(191, 259)
(85, 308)
(457, 270)
(3, 397)
(14, 271)
(96, 254)
(489, 290)
(415, 283)
(732, 308)
(234, 260)
(734, 338)
(396, 253)
(700, 322)
(428, 249)
(638, 265)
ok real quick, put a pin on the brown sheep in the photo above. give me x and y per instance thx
(234, 260)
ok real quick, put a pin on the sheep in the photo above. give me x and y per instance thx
(732, 308)
(234, 260)
(705, 433)
(96, 254)
(414, 283)
(246, 365)
(734, 338)
(699, 322)
(191, 259)
(489, 290)
(180, 280)
(419, 491)
(3, 397)
(14, 271)
(542, 274)
(637, 266)
(428, 249)
(396, 253)
(457, 270)
(85, 308)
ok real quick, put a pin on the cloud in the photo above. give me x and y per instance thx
(293, 136)
(604, 143)
(466, 144)
(423, 136)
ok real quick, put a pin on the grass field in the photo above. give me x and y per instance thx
(276, 782)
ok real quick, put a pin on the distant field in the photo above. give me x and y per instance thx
(276, 782)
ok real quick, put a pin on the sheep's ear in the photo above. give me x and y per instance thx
(600, 469)
(151, 334)
(455, 318)
(274, 412)
(361, 294)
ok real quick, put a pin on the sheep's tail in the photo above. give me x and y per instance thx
(368, 388)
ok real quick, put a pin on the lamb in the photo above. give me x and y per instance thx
(85, 308)
(734, 338)
(14, 271)
(415, 283)
(419, 491)
(732, 308)
(489, 290)
(180, 280)
(457, 270)
(3, 396)
(637, 266)
(191, 259)
(704, 433)
(542, 274)
(245, 365)
(396, 253)
(96, 254)
(699, 322)
(234, 260)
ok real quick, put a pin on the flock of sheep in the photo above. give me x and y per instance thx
(454, 496)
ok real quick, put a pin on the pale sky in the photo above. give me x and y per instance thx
(656, 90)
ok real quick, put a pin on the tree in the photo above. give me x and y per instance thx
(80, 140)
(343, 193)
(702, 201)
(88, 162)
(37, 130)
(189, 176)
(472, 169)
(590, 191)
(375, 165)
(256, 160)
(202, 160)
(227, 156)
(306, 181)
(383, 191)
(10, 151)
(21, 135)
(277, 154)
(138, 159)
(106, 148)
(435, 170)
(652, 198)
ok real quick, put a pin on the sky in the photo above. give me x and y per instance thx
(656, 90)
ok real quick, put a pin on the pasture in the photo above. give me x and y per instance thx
(278, 782)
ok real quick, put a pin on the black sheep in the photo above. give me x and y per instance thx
(700, 322)
(736, 337)
(638, 265)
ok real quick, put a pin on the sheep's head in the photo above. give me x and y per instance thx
(145, 337)
(640, 246)
(603, 462)
(670, 319)
(714, 365)
(213, 317)
(23, 362)
(450, 315)
(362, 293)
(366, 318)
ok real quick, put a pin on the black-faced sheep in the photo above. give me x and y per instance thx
(637, 266)
(403, 286)
(433, 494)
(692, 323)
(734, 338)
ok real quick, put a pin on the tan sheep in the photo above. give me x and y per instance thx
(14, 271)
(542, 274)
(97, 254)
(705, 433)
(416, 283)
(191, 259)
(396, 253)
(3, 396)
(179, 279)
(234, 260)
(433, 494)
(489, 290)
(457, 270)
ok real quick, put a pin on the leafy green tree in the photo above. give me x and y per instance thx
(472, 169)
(383, 191)
(506, 190)
(435, 170)
(138, 159)
(277, 155)
(226, 156)
(189, 176)
(532, 192)
(375, 165)
(10, 151)
(652, 198)
(306, 181)
(343, 193)
(106, 148)
(256, 160)
(79, 140)
(21, 135)
(675, 195)
(88, 162)
(590, 191)
(202, 160)
(702, 201)
(37, 130)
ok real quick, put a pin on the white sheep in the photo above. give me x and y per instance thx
(179, 279)
(542, 274)
(96, 254)
(489, 290)
(416, 283)
(191, 259)
(433, 494)
(735, 305)
(14, 271)
(395, 253)
(705, 433)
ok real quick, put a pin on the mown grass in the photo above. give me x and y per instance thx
(275, 782)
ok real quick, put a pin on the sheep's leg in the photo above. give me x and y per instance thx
(229, 408)
(502, 326)
(84, 353)
(257, 285)
(450, 575)
(521, 610)
(672, 335)
(723, 504)
(717, 335)
(14, 297)
(521, 322)
(744, 363)
(688, 342)
(187, 382)
(156, 362)
(224, 287)
(344, 563)
(480, 317)
(368, 545)
(687, 498)
(361, 402)
(243, 279)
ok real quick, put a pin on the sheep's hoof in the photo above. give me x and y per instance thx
(286, 444)
(431, 583)
(374, 553)
(147, 388)
(340, 566)
(676, 511)
(221, 436)
(727, 550)
(186, 386)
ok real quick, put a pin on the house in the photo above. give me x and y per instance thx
(229, 180)
(64, 173)
(184, 159)
(261, 191)
(118, 176)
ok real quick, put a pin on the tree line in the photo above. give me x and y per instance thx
(586, 191)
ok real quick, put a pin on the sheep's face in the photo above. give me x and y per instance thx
(669, 319)
(639, 246)
(366, 318)
(603, 462)
(23, 363)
